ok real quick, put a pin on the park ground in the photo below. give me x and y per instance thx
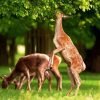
(89, 90)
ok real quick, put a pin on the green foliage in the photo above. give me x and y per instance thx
(19, 16)
(79, 31)
(14, 27)
(13, 16)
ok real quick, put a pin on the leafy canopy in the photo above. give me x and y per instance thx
(18, 16)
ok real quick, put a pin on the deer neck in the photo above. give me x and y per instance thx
(11, 76)
(58, 28)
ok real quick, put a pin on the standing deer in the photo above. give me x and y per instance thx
(69, 52)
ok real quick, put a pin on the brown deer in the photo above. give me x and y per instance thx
(69, 52)
(31, 63)
(29, 66)
(47, 75)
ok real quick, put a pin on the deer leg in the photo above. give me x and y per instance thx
(48, 76)
(54, 52)
(16, 84)
(21, 82)
(58, 49)
(32, 75)
(39, 83)
(58, 78)
(28, 79)
(50, 82)
(75, 80)
(73, 83)
(41, 79)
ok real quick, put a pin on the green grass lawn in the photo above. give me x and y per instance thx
(89, 90)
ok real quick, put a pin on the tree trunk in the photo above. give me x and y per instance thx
(30, 42)
(27, 43)
(12, 51)
(3, 50)
(94, 58)
(39, 40)
(44, 40)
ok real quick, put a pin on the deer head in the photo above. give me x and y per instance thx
(5, 82)
(61, 15)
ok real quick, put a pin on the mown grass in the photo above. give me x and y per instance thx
(89, 90)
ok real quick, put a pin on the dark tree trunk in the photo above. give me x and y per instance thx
(33, 41)
(3, 50)
(12, 51)
(94, 54)
(42, 40)
(39, 40)
(27, 43)
(30, 42)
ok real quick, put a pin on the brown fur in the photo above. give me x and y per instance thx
(47, 75)
(30, 66)
(32, 63)
(69, 52)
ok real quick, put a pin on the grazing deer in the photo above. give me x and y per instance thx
(31, 63)
(29, 66)
(69, 52)
(47, 75)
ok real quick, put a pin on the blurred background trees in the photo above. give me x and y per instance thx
(31, 23)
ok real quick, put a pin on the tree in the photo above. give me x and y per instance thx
(18, 17)
(3, 50)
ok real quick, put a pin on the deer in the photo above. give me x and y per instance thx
(47, 75)
(69, 53)
(37, 62)
(29, 66)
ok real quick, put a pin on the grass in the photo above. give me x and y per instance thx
(89, 90)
